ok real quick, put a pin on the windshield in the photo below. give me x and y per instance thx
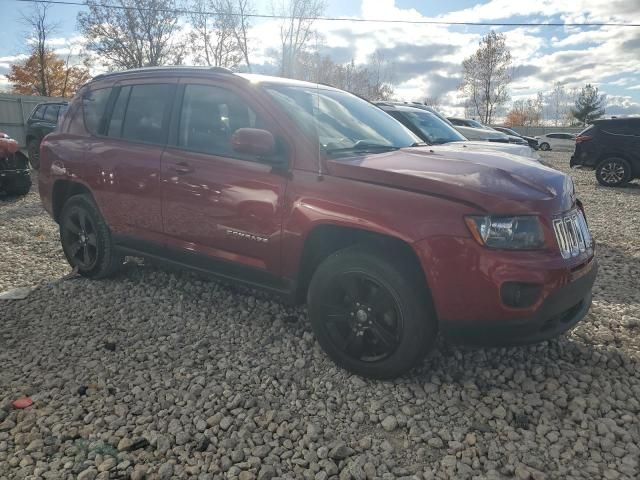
(343, 123)
(434, 129)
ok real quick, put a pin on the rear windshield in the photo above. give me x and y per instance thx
(590, 128)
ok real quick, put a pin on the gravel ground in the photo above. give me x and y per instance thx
(165, 375)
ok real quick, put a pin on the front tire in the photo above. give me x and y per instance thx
(86, 239)
(613, 172)
(33, 149)
(545, 146)
(371, 313)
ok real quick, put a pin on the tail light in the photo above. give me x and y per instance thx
(583, 138)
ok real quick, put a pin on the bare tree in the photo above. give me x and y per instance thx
(213, 40)
(296, 30)
(140, 34)
(486, 76)
(558, 100)
(242, 9)
(371, 80)
(433, 102)
(40, 29)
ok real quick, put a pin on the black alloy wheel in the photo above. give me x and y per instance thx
(371, 311)
(86, 239)
(364, 318)
(80, 239)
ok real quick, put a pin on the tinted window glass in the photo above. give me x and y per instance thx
(456, 122)
(117, 115)
(210, 116)
(145, 115)
(552, 135)
(51, 113)
(93, 105)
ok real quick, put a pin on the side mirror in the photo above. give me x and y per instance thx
(253, 141)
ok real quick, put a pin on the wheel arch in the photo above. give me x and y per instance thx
(326, 239)
(62, 190)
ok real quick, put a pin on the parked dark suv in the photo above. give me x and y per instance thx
(41, 122)
(315, 194)
(611, 147)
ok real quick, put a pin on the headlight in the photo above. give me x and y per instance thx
(512, 233)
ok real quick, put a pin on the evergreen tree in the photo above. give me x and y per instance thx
(589, 105)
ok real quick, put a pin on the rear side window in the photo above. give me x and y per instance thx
(116, 122)
(209, 117)
(94, 103)
(51, 113)
(553, 135)
(146, 113)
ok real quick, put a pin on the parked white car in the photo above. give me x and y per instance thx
(473, 130)
(557, 141)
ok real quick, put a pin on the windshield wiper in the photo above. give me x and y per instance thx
(362, 148)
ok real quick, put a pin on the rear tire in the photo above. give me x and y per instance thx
(545, 146)
(20, 185)
(33, 149)
(371, 313)
(86, 239)
(613, 172)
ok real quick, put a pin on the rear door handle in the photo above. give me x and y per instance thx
(182, 167)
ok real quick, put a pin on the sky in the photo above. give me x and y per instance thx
(426, 60)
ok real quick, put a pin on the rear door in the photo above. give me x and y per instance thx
(216, 202)
(125, 153)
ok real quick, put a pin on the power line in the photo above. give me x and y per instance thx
(341, 19)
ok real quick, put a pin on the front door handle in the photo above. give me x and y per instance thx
(182, 168)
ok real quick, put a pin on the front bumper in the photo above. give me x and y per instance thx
(559, 312)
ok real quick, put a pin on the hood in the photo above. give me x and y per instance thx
(494, 182)
(521, 150)
(480, 133)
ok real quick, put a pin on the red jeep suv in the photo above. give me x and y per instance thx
(315, 194)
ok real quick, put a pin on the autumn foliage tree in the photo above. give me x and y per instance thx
(56, 78)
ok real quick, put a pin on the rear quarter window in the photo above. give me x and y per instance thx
(94, 103)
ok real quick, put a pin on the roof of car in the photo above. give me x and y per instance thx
(616, 119)
(400, 107)
(251, 77)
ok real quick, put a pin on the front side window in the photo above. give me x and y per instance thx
(210, 116)
(51, 113)
(435, 130)
(146, 113)
(342, 123)
(94, 103)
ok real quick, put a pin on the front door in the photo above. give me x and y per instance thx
(216, 202)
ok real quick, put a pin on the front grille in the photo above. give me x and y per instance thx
(572, 234)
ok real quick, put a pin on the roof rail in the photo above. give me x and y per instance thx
(168, 69)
